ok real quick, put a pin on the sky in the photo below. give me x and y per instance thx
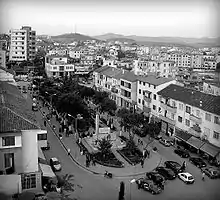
(172, 18)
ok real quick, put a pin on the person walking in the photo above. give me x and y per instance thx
(142, 163)
(68, 150)
(203, 176)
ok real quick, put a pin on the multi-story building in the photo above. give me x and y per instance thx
(108, 79)
(57, 51)
(22, 44)
(3, 58)
(58, 66)
(147, 98)
(76, 53)
(19, 167)
(194, 112)
(197, 61)
(182, 60)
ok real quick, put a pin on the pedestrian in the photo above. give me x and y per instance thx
(142, 163)
(68, 150)
(203, 176)
(60, 136)
(54, 127)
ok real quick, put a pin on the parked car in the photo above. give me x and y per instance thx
(24, 90)
(148, 185)
(186, 177)
(19, 87)
(55, 164)
(155, 177)
(198, 162)
(164, 142)
(46, 147)
(167, 173)
(211, 173)
(175, 166)
(182, 153)
(158, 137)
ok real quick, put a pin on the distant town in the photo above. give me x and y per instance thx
(80, 95)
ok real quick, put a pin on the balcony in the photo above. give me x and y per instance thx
(114, 90)
(195, 131)
(195, 119)
(146, 109)
(168, 120)
(147, 99)
(170, 108)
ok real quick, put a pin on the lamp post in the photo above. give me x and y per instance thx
(78, 116)
(131, 182)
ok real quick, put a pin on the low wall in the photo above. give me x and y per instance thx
(10, 184)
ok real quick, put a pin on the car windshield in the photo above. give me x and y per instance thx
(190, 178)
(56, 162)
(175, 164)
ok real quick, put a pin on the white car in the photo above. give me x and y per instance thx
(55, 164)
(186, 177)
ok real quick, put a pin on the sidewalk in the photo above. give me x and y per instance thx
(70, 143)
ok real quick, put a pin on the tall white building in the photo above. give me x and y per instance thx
(22, 44)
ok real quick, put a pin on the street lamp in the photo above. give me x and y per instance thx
(131, 182)
(78, 116)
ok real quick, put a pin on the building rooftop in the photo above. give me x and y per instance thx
(129, 76)
(191, 97)
(112, 72)
(98, 70)
(154, 80)
(15, 114)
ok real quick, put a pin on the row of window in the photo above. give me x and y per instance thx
(18, 57)
(128, 85)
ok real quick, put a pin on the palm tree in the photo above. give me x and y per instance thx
(67, 186)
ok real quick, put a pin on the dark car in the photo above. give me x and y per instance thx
(148, 185)
(198, 162)
(211, 173)
(155, 177)
(167, 173)
(182, 153)
(175, 166)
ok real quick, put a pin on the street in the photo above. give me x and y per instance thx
(98, 187)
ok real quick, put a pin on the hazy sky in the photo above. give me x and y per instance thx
(183, 18)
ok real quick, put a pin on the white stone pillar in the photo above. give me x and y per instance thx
(97, 124)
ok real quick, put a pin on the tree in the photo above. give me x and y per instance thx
(66, 184)
(104, 146)
(218, 71)
(108, 105)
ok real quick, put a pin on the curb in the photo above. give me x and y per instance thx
(89, 170)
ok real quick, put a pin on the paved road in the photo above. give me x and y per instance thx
(98, 187)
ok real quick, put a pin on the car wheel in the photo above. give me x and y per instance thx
(152, 192)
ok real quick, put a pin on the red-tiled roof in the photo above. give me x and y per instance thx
(191, 97)
(15, 113)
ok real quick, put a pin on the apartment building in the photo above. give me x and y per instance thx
(3, 58)
(57, 51)
(76, 53)
(18, 143)
(197, 61)
(58, 66)
(22, 44)
(194, 112)
(147, 98)
(181, 59)
(108, 79)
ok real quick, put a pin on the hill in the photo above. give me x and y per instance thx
(71, 37)
(194, 42)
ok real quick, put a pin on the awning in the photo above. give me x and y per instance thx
(47, 171)
(210, 149)
(182, 135)
(195, 142)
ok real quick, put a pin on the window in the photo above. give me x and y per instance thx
(140, 82)
(139, 91)
(143, 102)
(217, 120)
(154, 107)
(188, 109)
(187, 122)
(208, 117)
(28, 181)
(42, 136)
(149, 84)
(154, 86)
(9, 158)
(216, 135)
(129, 85)
(122, 83)
(180, 119)
(155, 96)
(144, 83)
(8, 141)
(172, 116)
(197, 113)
